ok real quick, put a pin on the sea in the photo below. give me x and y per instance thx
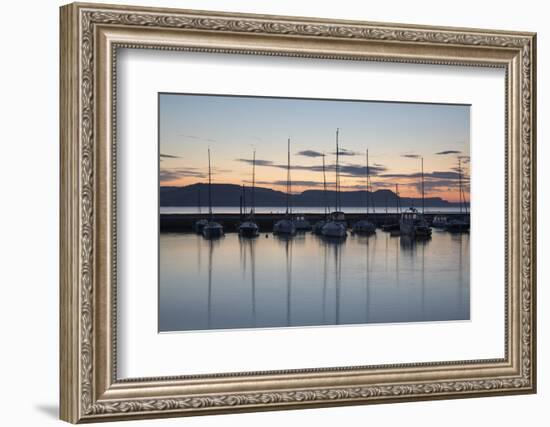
(305, 210)
(307, 281)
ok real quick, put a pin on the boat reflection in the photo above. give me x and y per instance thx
(307, 280)
(409, 243)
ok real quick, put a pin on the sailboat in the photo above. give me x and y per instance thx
(336, 226)
(365, 226)
(413, 223)
(249, 228)
(199, 225)
(462, 224)
(212, 229)
(318, 227)
(286, 226)
(391, 223)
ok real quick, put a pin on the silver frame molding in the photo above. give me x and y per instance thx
(90, 37)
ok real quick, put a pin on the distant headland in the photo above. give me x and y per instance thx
(234, 195)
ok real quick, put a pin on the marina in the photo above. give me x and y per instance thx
(312, 219)
(183, 222)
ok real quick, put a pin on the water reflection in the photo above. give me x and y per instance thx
(310, 280)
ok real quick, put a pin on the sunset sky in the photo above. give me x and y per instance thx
(396, 135)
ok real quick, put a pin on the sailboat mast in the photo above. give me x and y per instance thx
(397, 202)
(209, 186)
(422, 163)
(460, 184)
(324, 186)
(337, 173)
(367, 189)
(253, 208)
(199, 200)
(288, 185)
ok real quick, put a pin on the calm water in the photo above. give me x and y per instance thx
(270, 282)
(279, 209)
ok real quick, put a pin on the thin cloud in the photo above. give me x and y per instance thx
(451, 175)
(411, 156)
(166, 175)
(197, 138)
(347, 170)
(444, 153)
(258, 162)
(345, 152)
(314, 184)
(310, 153)
(169, 156)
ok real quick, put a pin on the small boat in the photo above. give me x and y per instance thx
(211, 229)
(318, 226)
(365, 226)
(457, 225)
(439, 221)
(199, 225)
(336, 225)
(334, 229)
(413, 224)
(301, 223)
(460, 224)
(286, 225)
(249, 228)
(390, 224)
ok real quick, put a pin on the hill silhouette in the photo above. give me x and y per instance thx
(230, 195)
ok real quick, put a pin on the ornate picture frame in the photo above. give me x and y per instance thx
(90, 37)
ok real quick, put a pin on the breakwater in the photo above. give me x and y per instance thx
(265, 221)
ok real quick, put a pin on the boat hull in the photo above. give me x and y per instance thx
(212, 230)
(334, 229)
(390, 227)
(318, 227)
(248, 229)
(364, 227)
(457, 227)
(302, 225)
(199, 225)
(284, 227)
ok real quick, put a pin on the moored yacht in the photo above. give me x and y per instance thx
(460, 224)
(318, 226)
(211, 229)
(413, 224)
(286, 225)
(439, 221)
(336, 225)
(249, 228)
(365, 226)
(301, 223)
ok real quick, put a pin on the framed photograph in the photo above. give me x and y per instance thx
(266, 212)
